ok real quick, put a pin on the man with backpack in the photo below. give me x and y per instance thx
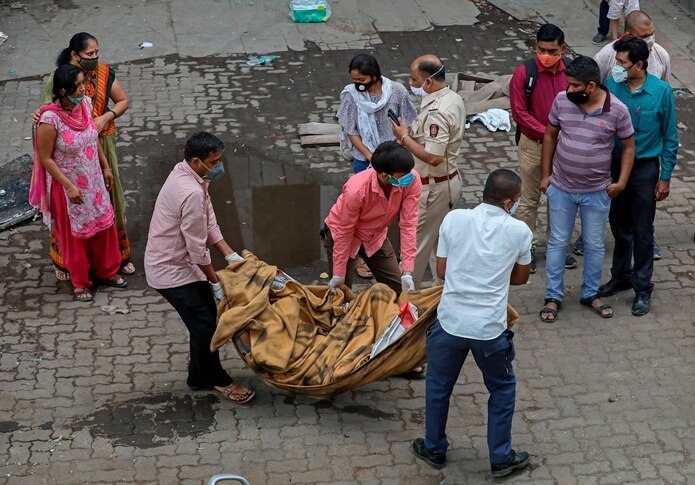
(533, 87)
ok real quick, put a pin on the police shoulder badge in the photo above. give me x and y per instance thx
(434, 130)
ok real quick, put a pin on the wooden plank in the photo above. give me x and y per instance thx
(319, 140)
(319, 129)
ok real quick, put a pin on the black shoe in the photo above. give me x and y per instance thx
(641, 305)
(433, 459)
(533, 260)
(570, 262)
(599, 38)
(613, 286)
(657, 252)
(578, 246)
(515, 462)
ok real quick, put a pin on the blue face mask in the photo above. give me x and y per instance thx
(513, 208)
(619, 74)
(404, 181)
(215, 173)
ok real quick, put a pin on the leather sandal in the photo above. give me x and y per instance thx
(362, 269)
(553, 311)
(237, 393)
(604, 311)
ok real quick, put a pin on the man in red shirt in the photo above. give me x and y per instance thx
(370, 200)
(531, 115)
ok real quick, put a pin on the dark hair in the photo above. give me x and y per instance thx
(432, 69)
(637, 49)
(78, 43)
(501, 184)
(584, 69)
(550, 33)
(64, 79)
(202, 144)
(390, 157)
(365, 64)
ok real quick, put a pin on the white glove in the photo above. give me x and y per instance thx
(407, 282)
(335, 281)
(217, 291)
(233, 258)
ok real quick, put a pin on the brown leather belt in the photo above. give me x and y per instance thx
(436, 180)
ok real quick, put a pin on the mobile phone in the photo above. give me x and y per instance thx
(393, 116)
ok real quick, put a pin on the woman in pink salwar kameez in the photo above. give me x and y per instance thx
(70, 183)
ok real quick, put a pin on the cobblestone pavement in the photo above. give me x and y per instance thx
(90, 394)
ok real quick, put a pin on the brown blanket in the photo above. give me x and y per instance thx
(305, 339)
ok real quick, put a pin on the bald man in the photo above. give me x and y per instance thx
(434, 139)
(638, 24)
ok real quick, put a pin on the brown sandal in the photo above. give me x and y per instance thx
(362, 269)
(237, 393)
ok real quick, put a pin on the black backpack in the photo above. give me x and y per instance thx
(531, 78)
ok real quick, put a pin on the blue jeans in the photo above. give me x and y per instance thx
(359, 165)
(593, 211)
(445, 356)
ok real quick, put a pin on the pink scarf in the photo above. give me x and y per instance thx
(39, 195)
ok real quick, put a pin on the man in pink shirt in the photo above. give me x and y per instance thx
(370, 200)
(177, 259)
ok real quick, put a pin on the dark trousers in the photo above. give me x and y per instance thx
(632, 224)
(445, 356)
(383, 264)
(603, 23)
(196, 306)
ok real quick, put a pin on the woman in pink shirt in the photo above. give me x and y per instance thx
(370, 201)
(70, 183)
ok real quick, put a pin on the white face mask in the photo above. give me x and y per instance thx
(650, 41)
(420, 92)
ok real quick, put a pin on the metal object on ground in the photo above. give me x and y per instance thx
(225, 476)
(14, 181)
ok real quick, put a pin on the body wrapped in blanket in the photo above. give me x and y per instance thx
(306, 340)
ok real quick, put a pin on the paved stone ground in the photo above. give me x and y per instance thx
(92, 395)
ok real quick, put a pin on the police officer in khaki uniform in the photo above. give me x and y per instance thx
(434, 139)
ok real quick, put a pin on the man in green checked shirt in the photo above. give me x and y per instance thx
(653, 111)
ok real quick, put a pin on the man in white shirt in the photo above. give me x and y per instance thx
(481, 252)
(638, 24)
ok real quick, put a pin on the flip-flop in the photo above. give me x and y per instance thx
(62, 275)
(117, 281)
(82, 294)
(237, 393)
(127, 269)
(599, 310)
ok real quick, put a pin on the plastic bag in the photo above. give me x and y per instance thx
(405, 319)
(305, 11)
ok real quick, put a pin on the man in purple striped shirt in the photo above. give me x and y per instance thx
(575, 175)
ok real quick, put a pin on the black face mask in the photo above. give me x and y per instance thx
(364, 87)
(578, 97)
